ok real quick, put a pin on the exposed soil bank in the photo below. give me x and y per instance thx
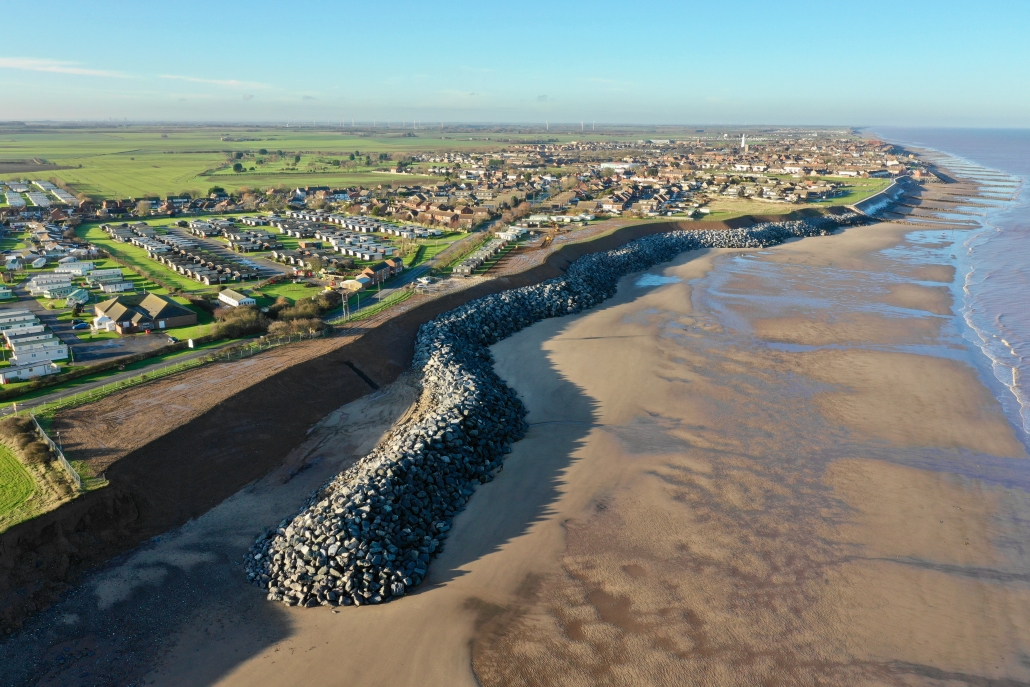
(201, 463)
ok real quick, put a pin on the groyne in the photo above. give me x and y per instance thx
(369, 535)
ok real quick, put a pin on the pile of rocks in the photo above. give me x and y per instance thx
(369, 534)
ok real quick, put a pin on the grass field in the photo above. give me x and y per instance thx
(16, 484)
(857, 190)
(724, 208)
(432, 249)
(728, 208)
(122, 162)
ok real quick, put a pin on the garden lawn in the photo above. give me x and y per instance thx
(288, 290)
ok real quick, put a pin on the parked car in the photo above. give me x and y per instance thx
(172, 339)
(81, 325)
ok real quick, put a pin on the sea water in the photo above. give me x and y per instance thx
(993, 260)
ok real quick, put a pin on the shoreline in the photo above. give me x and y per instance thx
(146, 498)
(969, 173)
(368, 536)
(583, 509)
(181, 475)
(760, 504)
(485, 613)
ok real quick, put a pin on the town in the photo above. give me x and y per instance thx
(93, 278)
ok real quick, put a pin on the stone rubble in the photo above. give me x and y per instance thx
(369, 534)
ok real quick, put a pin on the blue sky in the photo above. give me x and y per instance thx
(908, 62)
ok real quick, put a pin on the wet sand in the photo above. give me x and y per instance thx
(773, 467)
(780, 469)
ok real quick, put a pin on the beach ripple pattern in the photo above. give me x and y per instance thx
(368, 535)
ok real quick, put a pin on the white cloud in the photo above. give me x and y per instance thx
(217, 82)
(33, 64)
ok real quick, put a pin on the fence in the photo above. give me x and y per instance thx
(373, 307)
(60, 454)
(237, 352)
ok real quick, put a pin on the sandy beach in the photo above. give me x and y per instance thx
(749, 467)
(774, 467)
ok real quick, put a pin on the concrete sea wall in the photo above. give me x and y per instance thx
(875, 204)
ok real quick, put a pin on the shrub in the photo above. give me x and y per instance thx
(20, 433)
(277, 307)
(203, 304)
(304, 308)
(240, 322)
(328, 300)
(297, 326)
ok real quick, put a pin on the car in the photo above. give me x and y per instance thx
(76, 320)
(172, 339)
(81, 325)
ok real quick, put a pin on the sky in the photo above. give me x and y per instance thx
(903, 63)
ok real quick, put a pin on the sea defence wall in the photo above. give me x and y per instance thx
(199, 464)
(369, 534)
(875, 204)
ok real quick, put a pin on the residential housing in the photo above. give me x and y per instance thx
(131, 314)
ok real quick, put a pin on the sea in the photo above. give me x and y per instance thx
(993, 259)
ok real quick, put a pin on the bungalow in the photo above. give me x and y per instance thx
(5, 293)
(77, 297)
(58, 291)
(36, 351)
(235, 298)
(132, 314)
(17, 336)
(19, 373)
(32, 328)
(105, 276)
(29, 321)
(117, 287)
(74, 268)
(41, 281)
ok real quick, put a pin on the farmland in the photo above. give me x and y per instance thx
(123, 162)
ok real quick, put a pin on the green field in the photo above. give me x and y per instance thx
(124, 162)
(16, 484)
(857, 189)
(723, 208)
